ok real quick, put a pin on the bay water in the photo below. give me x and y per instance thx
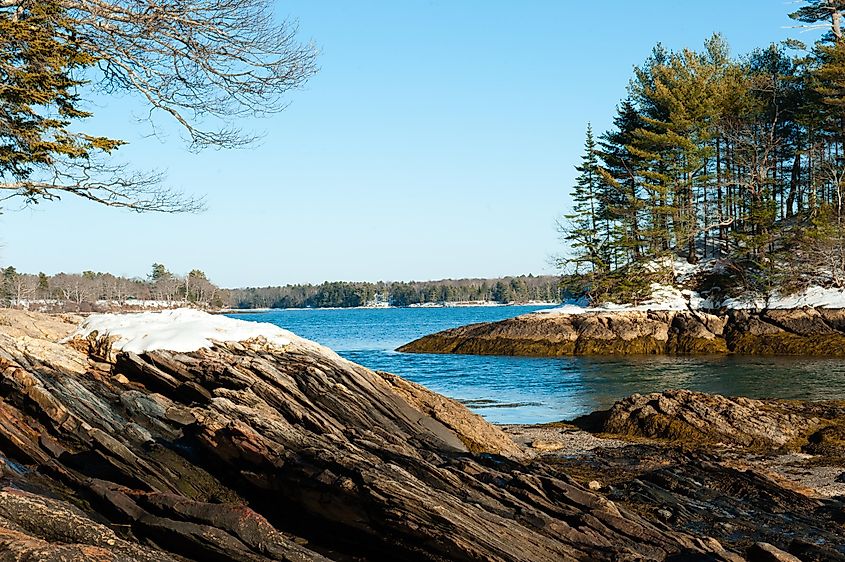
(539, 390)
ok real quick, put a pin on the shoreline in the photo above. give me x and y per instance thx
(257, 423)
(800, 331)
(468, 304)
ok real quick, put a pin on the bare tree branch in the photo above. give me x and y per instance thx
(207, 64)
(204, 63)
(110, 185)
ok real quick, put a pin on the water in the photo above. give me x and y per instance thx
(536, 390)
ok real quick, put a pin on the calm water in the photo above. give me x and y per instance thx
(530, 390)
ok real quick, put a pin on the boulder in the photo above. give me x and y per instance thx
(696, 417)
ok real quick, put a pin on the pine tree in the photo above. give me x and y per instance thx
(676, 138)
(822, 14)
(581, 227)
(159, 271)
(621, 181)
(39, 59)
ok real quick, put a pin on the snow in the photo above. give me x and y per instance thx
(181, 330)
(813, 296)
(669, 297)
(564, 309)
(663, 297)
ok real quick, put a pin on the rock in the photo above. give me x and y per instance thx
(664, 514)
(34, 527)
(764, 552)
(808, 551)
(594, 485)
(248, 452)
(699, 490)
(546, 446)
(624, 332)
(696, 417)
(474, 433)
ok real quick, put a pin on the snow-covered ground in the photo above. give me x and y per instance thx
(813, 296)
(663, 297)
(672, 297)
(182, 330)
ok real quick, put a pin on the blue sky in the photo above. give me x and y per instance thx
(437, 140)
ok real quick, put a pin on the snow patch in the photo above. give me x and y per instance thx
(565, 309)
(813, 296)
(663, 297)
(181, 330)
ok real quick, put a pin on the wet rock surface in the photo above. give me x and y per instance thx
(763, 477)
(247, 451)
(760, 476)
(790, 332)
(711, 493)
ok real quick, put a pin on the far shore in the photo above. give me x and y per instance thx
(459, 304)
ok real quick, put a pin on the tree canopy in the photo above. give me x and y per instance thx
(205, 64)
(710, 156)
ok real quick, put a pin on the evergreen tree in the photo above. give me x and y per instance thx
(740, 159)
(581, 227)
(159, 272)
(195, 62)
(621, 179)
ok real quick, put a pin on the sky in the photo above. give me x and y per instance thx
(438, 140)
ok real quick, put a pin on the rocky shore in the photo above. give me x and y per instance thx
(763, 477)
(275, 448)
(805, 331)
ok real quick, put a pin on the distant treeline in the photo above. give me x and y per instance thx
(91, 290)
(349, 294)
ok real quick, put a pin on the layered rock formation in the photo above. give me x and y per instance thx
(699, 418)
(796, 332)
(732, 468)
(254, 451)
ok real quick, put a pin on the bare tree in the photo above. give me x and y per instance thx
(73, 288)
(19, 287)
(195, 60)
(207, 64)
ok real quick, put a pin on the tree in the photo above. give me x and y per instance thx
(43, 284)
(502, 292)
(822, 14)
(580, 228)
(710, 156)
(621, 176)
(203, 63)
(198, 289)
(159, 271)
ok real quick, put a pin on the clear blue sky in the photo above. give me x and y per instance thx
(437, 140)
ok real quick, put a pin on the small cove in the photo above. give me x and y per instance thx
(539, 390)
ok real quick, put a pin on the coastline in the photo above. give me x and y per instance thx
(800, 331)
(255, 422)
(457, 304)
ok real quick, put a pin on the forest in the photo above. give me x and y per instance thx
(523, 288)
(89, 291)
(736, 160)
